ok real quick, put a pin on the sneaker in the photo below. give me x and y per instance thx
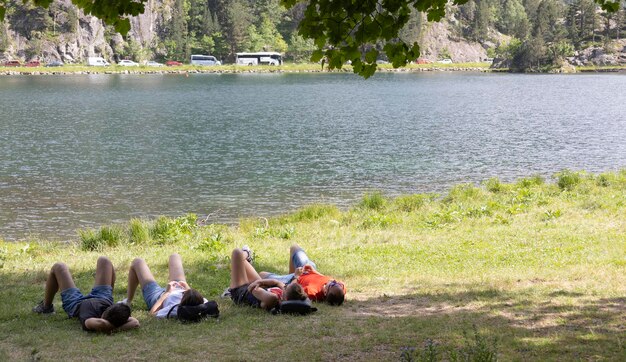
(226, 293)
(42, 309)
(124, 301)
(250, 256)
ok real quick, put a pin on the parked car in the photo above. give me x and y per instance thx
(422, 61)
(127, 63)
(33, 63)
(97, 62)
(12, 63)
(173, 63)
(54, 63)
(445, 61)
(152, 63)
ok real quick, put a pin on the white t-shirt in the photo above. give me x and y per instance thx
(172, 300)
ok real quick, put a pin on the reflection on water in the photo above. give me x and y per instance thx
(79, 151)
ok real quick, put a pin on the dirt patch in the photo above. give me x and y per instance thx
(405, 307)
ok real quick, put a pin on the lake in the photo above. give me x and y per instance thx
(85, 150)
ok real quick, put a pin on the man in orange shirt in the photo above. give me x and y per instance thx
(317, 286)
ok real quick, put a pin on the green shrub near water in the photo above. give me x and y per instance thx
(139, 231)
(97, 239)
(567, 180)
(373, 201)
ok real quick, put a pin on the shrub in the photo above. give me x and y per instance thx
(603, 180)
(111, 235)
(494, 185)
(463, 192)
(567, 180)
(90, 240)
(409, 203)
(314, 212)
(139, 231)
(166, 230)
(373, 201)
(536, 180)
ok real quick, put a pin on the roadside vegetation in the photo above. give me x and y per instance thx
(529, 270)
(227, 68)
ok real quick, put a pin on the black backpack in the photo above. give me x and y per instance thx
(195, 313)
(297, 307)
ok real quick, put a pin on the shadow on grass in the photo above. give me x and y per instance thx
(528, 324)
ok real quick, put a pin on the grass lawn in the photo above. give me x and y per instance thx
(534, 270)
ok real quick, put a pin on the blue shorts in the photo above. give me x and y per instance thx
(71, 297)
(299, 259)
(151, 293)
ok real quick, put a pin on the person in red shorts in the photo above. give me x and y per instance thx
(318, 287)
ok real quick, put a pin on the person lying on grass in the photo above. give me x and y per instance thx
(162, 302)
(247, 287)
(95, 310)
(303, 270)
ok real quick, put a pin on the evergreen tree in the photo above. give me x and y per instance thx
(513, 19)
(482, 21)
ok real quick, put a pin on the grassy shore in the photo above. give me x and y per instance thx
(533, 270)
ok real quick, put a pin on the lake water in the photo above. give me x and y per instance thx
(81, 151)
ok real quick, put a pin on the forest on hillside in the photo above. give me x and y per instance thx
(527, 34)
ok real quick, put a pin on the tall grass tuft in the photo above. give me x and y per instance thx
(373, 201)
(109, 236)
(536, 180)
(139, 231)
(463, 192)
(315, 212)
(410, 203)
(494, 185)
(567, 180)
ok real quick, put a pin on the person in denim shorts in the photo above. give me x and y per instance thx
(303, 271)
(95, 310)
(162, 302)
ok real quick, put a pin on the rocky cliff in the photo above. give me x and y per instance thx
(75, 37)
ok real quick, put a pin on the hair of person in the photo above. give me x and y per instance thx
(117, 314)
(191, 297)
(294, 291)
(335, 295)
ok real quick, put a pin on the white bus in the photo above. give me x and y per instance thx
(260, 58)
(197, 59)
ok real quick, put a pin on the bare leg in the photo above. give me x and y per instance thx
(177, 273)
(294, 248)
(59, 278)
(251, 273)
(105, 274)
(139, 273)
(238, 272)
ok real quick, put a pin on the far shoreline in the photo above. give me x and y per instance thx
(284, 69)
(233, 69)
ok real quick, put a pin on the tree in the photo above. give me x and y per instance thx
(513, 19)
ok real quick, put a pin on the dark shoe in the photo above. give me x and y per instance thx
(42, 309)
